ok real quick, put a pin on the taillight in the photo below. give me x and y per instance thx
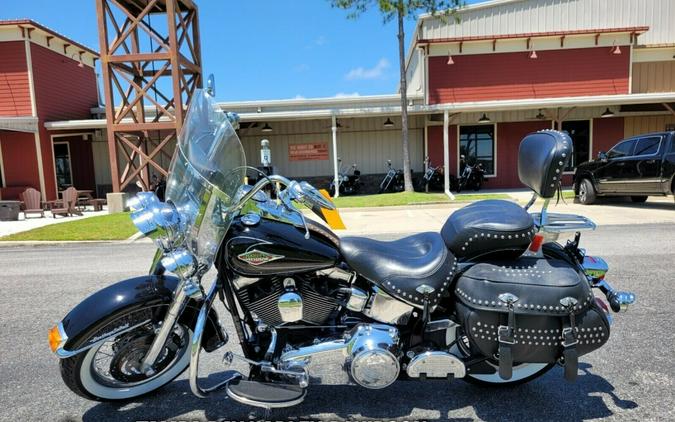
(535, 245)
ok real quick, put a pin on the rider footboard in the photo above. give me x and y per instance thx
(530, 311)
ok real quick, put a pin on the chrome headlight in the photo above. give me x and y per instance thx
(180, 262)
(157, 220)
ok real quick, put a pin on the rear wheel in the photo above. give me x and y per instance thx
(638, 199)
(586, 192)
(111, 371)
(522, 373)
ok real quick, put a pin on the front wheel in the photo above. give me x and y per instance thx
(111, 370)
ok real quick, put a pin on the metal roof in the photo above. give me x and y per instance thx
(387, 110)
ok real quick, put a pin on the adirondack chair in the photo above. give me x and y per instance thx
(31, 200)
(68, 204)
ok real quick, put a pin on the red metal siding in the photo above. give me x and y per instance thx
(14, 88)
(19, 159)
(555, 73)
(63, 90)
(606, 133)
(81, 161)
(509, 135)
(435, 146)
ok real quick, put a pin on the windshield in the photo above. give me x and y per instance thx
(205, 173)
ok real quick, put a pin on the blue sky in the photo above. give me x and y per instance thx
(264, 49)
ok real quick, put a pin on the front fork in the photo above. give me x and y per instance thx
(184, 291)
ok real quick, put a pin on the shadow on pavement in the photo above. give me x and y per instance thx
(548, 398)
(620, 202)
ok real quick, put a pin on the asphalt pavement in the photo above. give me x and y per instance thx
(630, 378)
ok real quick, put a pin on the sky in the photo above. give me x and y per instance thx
(264, 49)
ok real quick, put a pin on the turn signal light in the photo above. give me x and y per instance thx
(55, 338)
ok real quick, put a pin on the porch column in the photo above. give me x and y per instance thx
(335, 157)
(446, 154)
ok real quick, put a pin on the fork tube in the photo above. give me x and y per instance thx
(166, 328)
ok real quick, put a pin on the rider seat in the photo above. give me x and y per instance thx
(488, 227)
(409, 268)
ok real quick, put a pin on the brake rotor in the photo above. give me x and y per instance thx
(130, 350)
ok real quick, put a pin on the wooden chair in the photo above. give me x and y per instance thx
(68, 204)
(31, 200)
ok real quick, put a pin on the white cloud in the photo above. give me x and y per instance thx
(320, 40)
(347, 94)
(298, 97)
(375, 72)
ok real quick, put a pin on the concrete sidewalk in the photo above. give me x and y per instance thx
(23, 224)
(415, 219)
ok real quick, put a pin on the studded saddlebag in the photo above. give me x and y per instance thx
(530, 311)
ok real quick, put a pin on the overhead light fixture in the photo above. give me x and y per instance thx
(540, 115)
(484, 119)
(616, 50)
(450, 61)
(607, 113)
(267, 128)
(388, 123)
(533, 54)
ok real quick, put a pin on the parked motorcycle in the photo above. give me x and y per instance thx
(433, 179)
(491, 299)
(348, 184)
(393, 181)
(472, 176)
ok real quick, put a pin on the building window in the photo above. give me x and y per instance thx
(580, 132)
(477, 145)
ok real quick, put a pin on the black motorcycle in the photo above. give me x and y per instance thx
(491, 299)
(433, 179)
(393, 181)
(472, 176)
(348, 184)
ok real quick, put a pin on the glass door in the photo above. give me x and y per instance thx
(64, 172)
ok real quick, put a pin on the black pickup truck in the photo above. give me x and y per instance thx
(637, 167)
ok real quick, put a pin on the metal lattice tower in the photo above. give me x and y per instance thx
(151, 61)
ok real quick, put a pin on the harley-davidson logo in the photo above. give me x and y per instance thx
(256, 257)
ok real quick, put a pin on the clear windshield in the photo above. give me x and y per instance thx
(204, 176)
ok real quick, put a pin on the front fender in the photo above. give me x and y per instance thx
(104, 306)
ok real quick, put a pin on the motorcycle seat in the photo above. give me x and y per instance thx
(487, 227)
(405, 268)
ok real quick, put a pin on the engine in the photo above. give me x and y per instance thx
(298, 299)
(367, 355)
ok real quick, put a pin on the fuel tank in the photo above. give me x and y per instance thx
(271, 247)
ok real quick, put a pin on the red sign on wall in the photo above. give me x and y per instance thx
(303, 152)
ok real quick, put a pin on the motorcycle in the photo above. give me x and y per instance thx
(393, 181)
(472, 176)
(347, 184)
(433, 179)
(491, 299)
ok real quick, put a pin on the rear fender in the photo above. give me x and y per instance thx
(146, 292)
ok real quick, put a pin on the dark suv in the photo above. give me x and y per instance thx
(637, 167)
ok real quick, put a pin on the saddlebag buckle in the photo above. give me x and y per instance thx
(569, 335)
(505, 334)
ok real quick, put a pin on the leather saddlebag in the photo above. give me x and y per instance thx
(532, 310)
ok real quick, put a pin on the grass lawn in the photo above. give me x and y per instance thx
(103, 227)
(408, 198)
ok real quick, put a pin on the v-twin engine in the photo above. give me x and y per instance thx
(368, 354)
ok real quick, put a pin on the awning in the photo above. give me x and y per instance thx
(19, 124)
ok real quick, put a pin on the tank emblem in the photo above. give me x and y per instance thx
(256, 257)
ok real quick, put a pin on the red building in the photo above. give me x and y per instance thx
(44, 76)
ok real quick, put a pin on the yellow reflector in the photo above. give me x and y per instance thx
(54, 338)
(332, 217)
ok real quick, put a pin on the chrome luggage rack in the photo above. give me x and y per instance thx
(552, 225)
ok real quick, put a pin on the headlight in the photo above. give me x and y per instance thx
(180, 262)
(157, 220)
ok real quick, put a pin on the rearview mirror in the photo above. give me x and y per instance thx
(602, 156)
